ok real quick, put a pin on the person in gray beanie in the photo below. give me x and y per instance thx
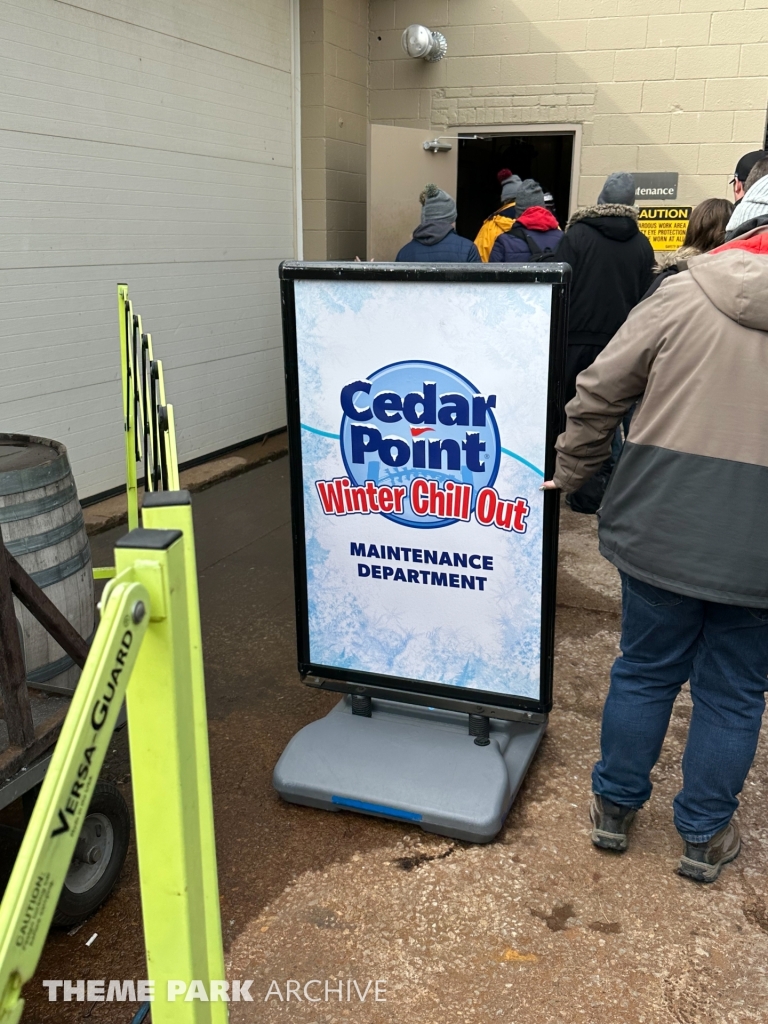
(612, 269)
(503, 218)
(435, 239)
(436, 206)
(530, 193)
(534, 233)
(752, 211)
(510, 186)
(619, 187)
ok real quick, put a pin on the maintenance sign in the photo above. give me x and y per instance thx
(423, 406)
(664, 226)
(658, 185)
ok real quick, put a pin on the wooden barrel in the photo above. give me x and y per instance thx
(42, 526)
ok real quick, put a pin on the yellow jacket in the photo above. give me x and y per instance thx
(493, 226)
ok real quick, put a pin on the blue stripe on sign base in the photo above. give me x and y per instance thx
(361, 805)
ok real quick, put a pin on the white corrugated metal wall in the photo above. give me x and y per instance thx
(147, 141)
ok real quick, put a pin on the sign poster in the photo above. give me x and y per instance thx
(658, 185)
(664, 226)
(422, 414)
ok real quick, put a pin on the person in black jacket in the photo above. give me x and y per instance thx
(435, 239)
(612, 263)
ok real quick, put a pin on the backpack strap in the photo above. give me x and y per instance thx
(519, 231)
(507, 210)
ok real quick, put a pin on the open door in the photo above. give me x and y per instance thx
(545, 156)
(398, 169)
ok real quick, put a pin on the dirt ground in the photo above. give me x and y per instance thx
(535, 928)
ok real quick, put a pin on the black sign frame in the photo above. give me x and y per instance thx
(392, 687)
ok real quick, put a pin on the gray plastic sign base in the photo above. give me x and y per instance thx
(411, 764)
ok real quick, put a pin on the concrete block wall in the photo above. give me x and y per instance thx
(334, 120)
(658, 85)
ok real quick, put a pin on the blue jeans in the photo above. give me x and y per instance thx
(667, 639)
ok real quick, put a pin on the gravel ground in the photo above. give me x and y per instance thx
(536, 927)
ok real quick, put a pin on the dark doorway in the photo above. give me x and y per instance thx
(547, 158)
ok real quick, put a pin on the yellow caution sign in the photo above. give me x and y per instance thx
(664, 226)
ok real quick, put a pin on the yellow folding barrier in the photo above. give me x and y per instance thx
(150, 429)
(148, 645)
(174, 824)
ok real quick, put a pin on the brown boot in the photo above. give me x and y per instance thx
(703, 862)
(610, 824)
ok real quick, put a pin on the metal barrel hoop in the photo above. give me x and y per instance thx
(37, 506)
(39, 541)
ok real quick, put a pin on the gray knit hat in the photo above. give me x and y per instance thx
(437, 205)
(510, 188)
(529, 194)
(754, 204)
(619, 187)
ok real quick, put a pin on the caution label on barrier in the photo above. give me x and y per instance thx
(664, 226)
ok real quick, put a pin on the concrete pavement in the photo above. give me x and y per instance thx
(537, 927)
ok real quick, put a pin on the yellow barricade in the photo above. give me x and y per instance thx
(148, 646)
(150, 429)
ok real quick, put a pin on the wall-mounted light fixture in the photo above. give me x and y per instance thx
(420, 41)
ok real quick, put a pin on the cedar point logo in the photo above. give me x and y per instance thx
(421, 447)
(426, 430)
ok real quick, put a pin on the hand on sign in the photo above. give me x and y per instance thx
(548, 485)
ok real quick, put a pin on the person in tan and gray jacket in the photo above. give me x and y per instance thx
(684, 521)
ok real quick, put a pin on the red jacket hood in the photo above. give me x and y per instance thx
(756, 241)
(537, 218)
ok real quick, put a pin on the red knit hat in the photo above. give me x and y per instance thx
(503, 175)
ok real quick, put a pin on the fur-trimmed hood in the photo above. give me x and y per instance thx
(611, 262)
(603, 210)
(679, 258)
(614, 221)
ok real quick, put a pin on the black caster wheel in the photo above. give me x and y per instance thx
(99, 856)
